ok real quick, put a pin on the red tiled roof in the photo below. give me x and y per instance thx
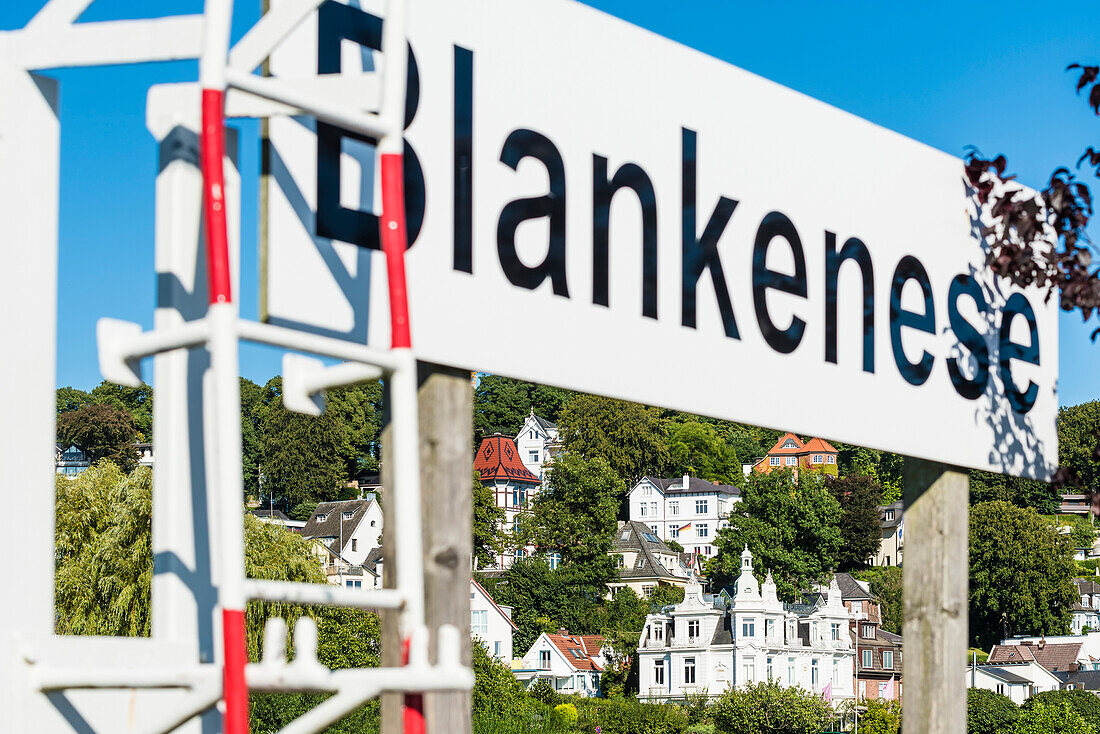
(782, 440)
(820, 445)
(588, 646)
(813, 445)
(1054, 656)
(498, 458)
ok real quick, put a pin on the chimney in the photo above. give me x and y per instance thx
(686, 480)
(563, 631)
(619, 524)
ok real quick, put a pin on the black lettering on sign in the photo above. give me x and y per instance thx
(522, 144)
(857, 252)
(969, 337)
(335, 23)
(776, 224)
(629, 176)
(1018, 305)
(464, 160)
(910, 268)
(701, 253)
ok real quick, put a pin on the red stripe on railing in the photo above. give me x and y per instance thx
(394, 244)
(211, 153)
(236, 656)
(413, 712)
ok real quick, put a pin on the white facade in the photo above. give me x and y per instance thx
(490, 623)
(538, 443)
(687, 510)
(1018, 681)
(570, 663)
(346, 532)
(702, 646)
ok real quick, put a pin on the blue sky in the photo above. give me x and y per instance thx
(990, 76)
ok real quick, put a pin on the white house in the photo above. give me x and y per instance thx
(891, 520)
(570, 663)
(686, 509)
(1086, 611)
(491, 623)
(514, 487)
(644, 562)
(1018, 681)
(278, 517)
(538, 443)
(346, 532)
(708, 645)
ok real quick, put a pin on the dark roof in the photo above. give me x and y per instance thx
(675, 486)
(330, 527)
(498, 458)
(1088, 680)
(723, 633)
(1003, 674)
(543, 423)
(370, 563)
(274, 514)
(1087, 586)
(1054, 656)
(638, 537)
(850, 590)
(888, 636)
(898, 508)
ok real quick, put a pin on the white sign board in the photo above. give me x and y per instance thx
(600, 208)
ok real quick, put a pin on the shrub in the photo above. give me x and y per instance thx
(767, 708)
(697, 707)
(881, 717)
(1051, 718)
(622, 716)
(1086, 704)
(496, 691)
(988, 712)
(564, 715)
(700, 729)
(544, 692)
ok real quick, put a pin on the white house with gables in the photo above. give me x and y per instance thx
(570, 663)
(686, 509)
(345, 534)
(538, 444)
(708, 645)
(491, 623)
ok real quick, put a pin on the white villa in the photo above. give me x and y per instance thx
(514, 487)
(1086, 612)
(570, 663)
(1018, 681)
(706, 645)
(686, 509)
(491, 623)
(538, 444)
(346, 532)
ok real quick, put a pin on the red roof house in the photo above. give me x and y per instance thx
(498, 458)
(791, 452)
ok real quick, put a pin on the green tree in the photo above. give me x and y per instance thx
(664, 595)
(791, 528)
(696, 448)
(630, 437)
(859, 497)
(359, 409)
(102, 432)
(1078, 428)
(137, 401)
(303, 457)
(988, 712)
(881, 717)
(1085, 703)
(487, 518)
(1082, 531)
(886, 585)
(881, 466)
(503, 404)
(575, 516)
(1044, 718)
(104, 553)
(623, 619)
(989, 487)
(69, 398)
(496, 691)
(1021, 573)
(251, 448)
(302, 511)
(768, 708)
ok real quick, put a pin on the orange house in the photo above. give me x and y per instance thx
(790, 452)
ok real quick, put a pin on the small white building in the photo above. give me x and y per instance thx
(891, 519)
(491, 623)
(644, 562)
(706, 645)
(346, 532)
(538, 444)
(1018, 681)
(1086, 611)
(570, 663)
(685, 509)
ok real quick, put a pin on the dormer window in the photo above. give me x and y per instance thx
(867, 631)
(322, 517)
(790, 445)
(889, 515)
(348, 515)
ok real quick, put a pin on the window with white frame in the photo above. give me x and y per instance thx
(700, 507)
(544, 660)
(653, 509)
(830, 459)
(479, 623)
(322, 517)
(769, 629)
(521, 553)
(533, 456)
(770, 671)
(647, 489)
(659, 672)
(888, 659)
(689, 670)
(750, 670)
(659, 631)
(653, 528)
(792, 460)
(693, 628)
(702, 529)
(673, 508)
(813, 673)
(498, 649)
(790, 672)
(553, 559)
(774, 461)
(867, 631)
(835, 632)
(674, 532)
(748, 627)
(647, 591)
(817, 458)
(641, 509)
(353, 583)
(866, 658)
(790, 445)
(519, 497)
(889, 515)
(355, 544)
(836, 674)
